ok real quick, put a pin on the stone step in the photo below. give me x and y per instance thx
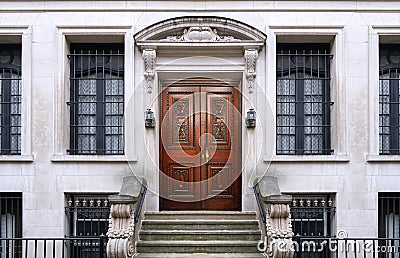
(182, 235)
(200, 255)
(190, 215)
(200, 224)
(197, 246)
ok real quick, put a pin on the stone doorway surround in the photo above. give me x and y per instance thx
(194, 46)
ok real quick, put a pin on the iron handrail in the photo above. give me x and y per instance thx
(262, 213)
(137, 216)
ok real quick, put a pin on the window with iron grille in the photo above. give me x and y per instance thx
(97, 99)
(10, 99)
(389, 215)
(88, 216)
(389, 221)
(389, 77)
(303, 99)
(10, 224)
(312, 215)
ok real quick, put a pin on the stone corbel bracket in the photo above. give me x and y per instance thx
(250, 56)
(278, 225)
(121, 228)
(149, 58)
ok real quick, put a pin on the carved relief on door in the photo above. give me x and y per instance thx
(199, 159)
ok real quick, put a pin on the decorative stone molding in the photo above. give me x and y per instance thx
(200, 33)
(121, 228)
(251, 56)
(278, 225)
(200, 28)
(149, 57)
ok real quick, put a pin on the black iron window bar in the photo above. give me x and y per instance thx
(303, 99)
(389, 99)
(88, 216)
(312, 215)
(96, 99)
(10, 99)
(389, 216)
(10, 223)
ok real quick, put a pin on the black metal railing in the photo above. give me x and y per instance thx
(143, 196)
(73, 247)
(261, 210)
(327, 247)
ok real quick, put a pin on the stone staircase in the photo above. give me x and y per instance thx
(199, 234)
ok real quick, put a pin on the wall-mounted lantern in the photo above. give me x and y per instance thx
(150, 120)
(251, 118)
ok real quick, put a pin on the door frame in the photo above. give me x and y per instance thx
(199, 81)
(169, 52)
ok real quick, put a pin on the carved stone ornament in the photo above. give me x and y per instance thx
(251, 56)
(278, 225)
(200, 33)
(279, 228)
(149, 57)
(121, 231)
(121, 227)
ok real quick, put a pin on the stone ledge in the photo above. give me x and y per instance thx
(383, 158)
(92, 158)
(16, 158)
(308, 158)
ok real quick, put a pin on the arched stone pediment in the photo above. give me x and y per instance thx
(213, 34)
(200, 31)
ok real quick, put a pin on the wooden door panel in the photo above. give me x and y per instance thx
(179, 121)
(221, 176)
(220, 119)
(198, 167)
(179, 181)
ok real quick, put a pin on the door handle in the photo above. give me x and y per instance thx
(207, 156)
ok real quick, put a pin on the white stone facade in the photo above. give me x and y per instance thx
(44, 172)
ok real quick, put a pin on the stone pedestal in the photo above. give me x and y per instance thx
(124, 208)
(278, 226)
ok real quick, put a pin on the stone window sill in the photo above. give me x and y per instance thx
(16, 158)
(92, 158)
(309, 158)
(383, 158)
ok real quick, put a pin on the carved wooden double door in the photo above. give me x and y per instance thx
(200, 147)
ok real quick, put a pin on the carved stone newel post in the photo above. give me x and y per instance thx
(250, 56)
(149, 58)
(121, 229)
(278, 225)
